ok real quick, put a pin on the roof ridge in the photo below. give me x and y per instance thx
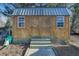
(40, 7)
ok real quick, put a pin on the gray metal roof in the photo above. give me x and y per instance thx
(41, 11)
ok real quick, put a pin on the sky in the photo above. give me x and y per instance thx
(2, 9)
(2, 6)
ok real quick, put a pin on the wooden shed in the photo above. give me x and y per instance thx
(41, 22)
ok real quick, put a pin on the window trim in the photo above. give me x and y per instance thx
(18, 22)
(63, 20)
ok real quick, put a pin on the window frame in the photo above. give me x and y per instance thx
(58, 21)
(18, 21)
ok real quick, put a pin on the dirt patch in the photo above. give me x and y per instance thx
(67, 50)
(13, 50)
(74, 38)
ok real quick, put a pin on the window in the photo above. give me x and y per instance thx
(21, 22)
(60, 21)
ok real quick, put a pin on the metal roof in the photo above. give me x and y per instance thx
(41, 11)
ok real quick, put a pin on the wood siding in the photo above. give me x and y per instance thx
(62, 33)
(40, 26)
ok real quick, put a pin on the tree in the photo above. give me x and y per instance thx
(23, 5)
(57, 4)
(75, 19)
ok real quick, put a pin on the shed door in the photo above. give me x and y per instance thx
(34, 26)
(44, 25)
(40, 26)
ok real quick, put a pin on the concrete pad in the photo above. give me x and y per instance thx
(40, 52)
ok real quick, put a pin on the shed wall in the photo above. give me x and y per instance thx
(62, 33)
(32, 27)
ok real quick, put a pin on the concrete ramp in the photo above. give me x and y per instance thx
(40, 52)
(40, 47)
